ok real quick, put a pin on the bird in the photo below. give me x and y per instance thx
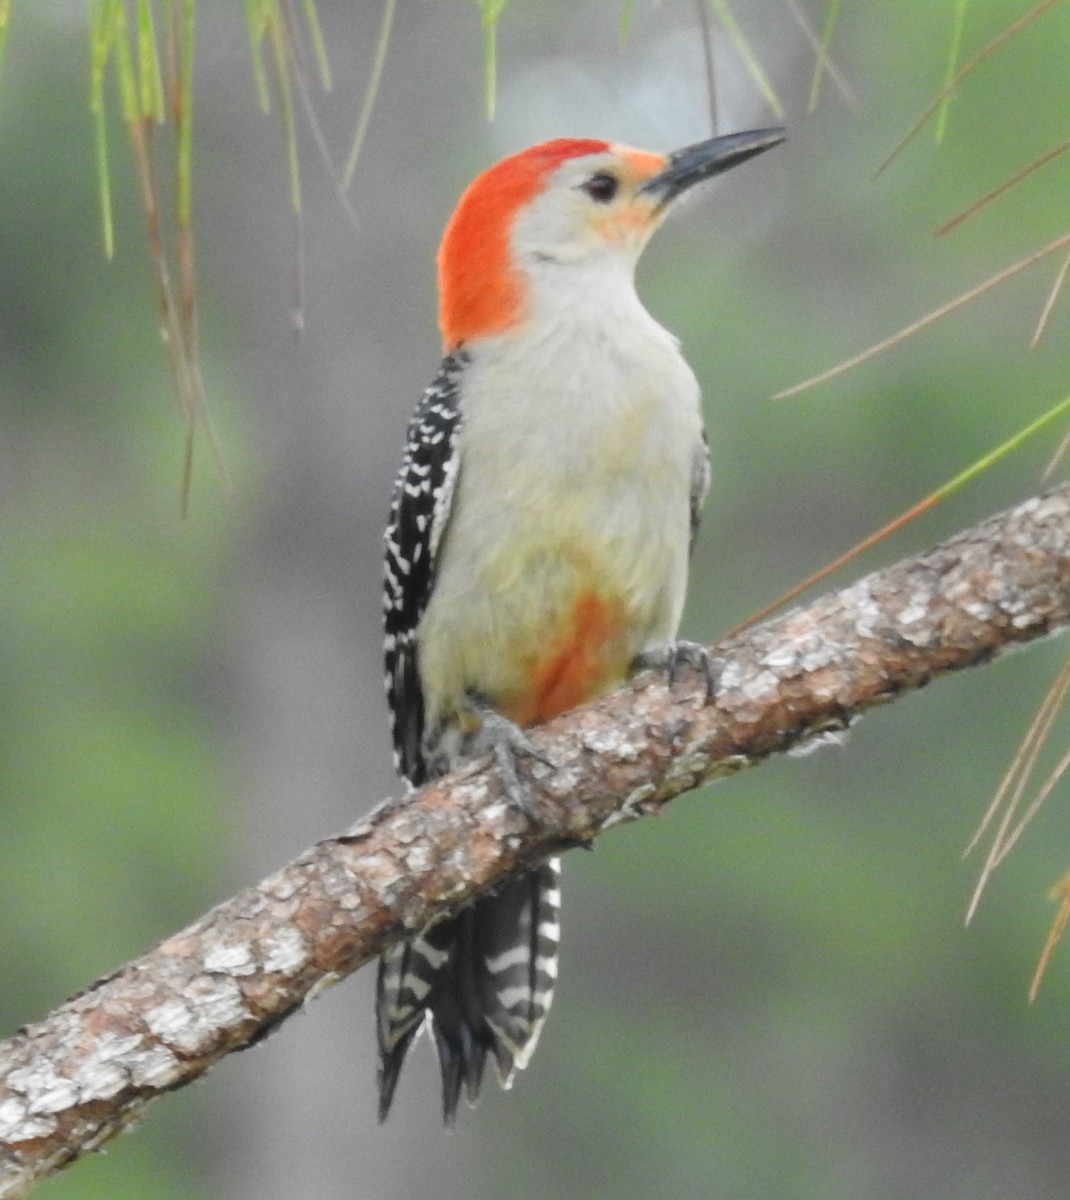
(538, 541)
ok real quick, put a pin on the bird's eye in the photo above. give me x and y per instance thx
(602, 187)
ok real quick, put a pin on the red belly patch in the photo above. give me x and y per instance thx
(587, 658)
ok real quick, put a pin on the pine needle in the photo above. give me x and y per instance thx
(953, 54)
(924, 322)
(707, 62)
(1060, 892)
(1005, 186)
(823, 59)
(1012, 788)
(750, 59)
(5, 21)
(257, 15)
(1042, 323)
(916, 510)
(965, 70)
(382, 44)
(319, 46)
(625, 26)
(491, 14)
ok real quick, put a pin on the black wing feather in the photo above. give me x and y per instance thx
(418, 515)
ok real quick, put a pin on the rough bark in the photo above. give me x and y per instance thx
(74, 1079)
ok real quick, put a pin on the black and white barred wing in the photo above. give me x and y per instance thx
(419, 514)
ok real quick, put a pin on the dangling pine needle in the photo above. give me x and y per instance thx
(966, 69)
(1060, 892)
(1007, 184)
(924, 322)
(1042, 323)
(1012, 788)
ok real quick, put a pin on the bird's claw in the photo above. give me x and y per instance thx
(506, 741)
(672, 657)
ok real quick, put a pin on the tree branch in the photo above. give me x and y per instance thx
(71, 1081)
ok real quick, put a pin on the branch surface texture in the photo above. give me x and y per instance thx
(74, 1079)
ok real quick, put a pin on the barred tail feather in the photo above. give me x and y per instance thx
(518, 944)
(407, 972)
(484, 980)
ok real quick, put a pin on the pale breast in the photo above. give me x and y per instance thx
(575, 482)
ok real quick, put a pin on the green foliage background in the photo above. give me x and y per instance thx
(767, 994)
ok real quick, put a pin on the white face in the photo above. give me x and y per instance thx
(591, 206)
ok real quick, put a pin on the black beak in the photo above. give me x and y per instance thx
(703, 160)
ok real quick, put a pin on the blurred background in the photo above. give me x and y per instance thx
(767, 994)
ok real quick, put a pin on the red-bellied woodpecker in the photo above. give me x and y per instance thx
(538, 540)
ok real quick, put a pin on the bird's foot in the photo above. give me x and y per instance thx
(507, 741)
(672, 657)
